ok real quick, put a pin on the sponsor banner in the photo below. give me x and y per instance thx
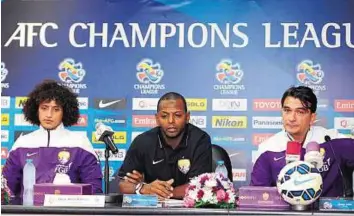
(229, 122)
(232, 138)
(4, 153)
(229, 105)
(259, 138)
(266, 105)
(196, 104)
(111, 120)
(321, 121)
(82, 121)
(20, 133)
(111, 170)
(267, 122)
(345, 123)
(5, 102)
(199, 121)
(4, 136)
(146, 121)
(110, 104)
(20, 120)
(5, 119)
(145, 103)
(239, 175)
(135, 134)
(344, 105)
(322, 104)
(119, 137)
(112, 157)
(19, 102)
(255, 155)
(83, 103)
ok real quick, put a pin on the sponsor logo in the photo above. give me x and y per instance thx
(112, 157)
(21, 133)
(311, 75)
(259, 138)
(31, 154)
(346, 123)
(278, 158)
(229, 122)
(111, 173)
(344, 105)
(229, 76)
(145, 103)
(149, 75)
(266, 105)
(229, 104)
(72, 73)
(83, 103)
(4, 136)
(119, 137)
(267, 122)
(111, 120)
(20, 102)
(135, 134)
(5, 102)
(111, 104)
(199, 121)
(4, 153)
(5, 119)
(148, 121)
(299, 182)
(239, 174)
(156, 162)
(234, 138)
(82, 121)
(196, 104)
(322, 104)
(20, 120)
(4, 73)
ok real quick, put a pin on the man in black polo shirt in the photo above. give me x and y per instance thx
(162, 160)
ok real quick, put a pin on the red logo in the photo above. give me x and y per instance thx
(266, 105)
(4, 153)
(147, 121)
(82, 121)
(344, 105)
(259, 138)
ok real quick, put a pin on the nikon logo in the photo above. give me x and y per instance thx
(20, 102)
(229, 122)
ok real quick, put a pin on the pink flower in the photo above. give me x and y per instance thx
(188, 202)
(200, 194)
(220, 195)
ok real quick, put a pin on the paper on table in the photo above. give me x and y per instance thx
(171, 203)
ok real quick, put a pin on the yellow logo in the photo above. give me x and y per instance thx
(322, 152)
(5, 119)
(196, 104)
(265, 196)
(119, 137)
(63, 157)
(229, 122)
(184, 165)
(20, 101)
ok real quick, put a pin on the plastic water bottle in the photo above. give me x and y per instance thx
(29, 179)
(221, 168)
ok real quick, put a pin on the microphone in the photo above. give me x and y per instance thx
(313, 155)
(104, 133)
(345, 187)
(293, 151)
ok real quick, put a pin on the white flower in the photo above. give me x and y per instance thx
(225, 184)
(210, 183)
(193, 194)
(231, 196)
(208, 195)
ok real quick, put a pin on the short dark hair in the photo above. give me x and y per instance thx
(50, 90)
(172, 96)
(304, 94)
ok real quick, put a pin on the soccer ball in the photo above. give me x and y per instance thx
(299, 183)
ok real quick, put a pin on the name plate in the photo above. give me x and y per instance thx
(74, 200)
(136, 200)
(336, 204)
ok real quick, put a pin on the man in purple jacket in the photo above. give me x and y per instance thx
(54, 150)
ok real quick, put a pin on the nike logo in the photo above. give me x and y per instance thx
(103, 105)
(234, 154)
(297, 182)
(279, 158)
(31, 154)
(156, 162)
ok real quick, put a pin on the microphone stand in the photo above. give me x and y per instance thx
(111, 199)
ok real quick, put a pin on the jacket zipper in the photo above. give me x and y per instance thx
(48, 138)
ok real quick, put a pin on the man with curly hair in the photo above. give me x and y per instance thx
(55, 151)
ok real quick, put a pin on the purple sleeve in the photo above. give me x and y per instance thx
(12, 171)
(90, 172)
(345, 149)
(261, 173)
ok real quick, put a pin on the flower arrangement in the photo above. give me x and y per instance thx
(210, 190)
(5, 191)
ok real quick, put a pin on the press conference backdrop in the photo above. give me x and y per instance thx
(231, 59)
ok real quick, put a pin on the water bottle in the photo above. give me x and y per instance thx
(221, 168)
(29, 179)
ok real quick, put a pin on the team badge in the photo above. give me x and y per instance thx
(63, 157)
(184, 165)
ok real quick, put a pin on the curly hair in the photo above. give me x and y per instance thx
(47, 91)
